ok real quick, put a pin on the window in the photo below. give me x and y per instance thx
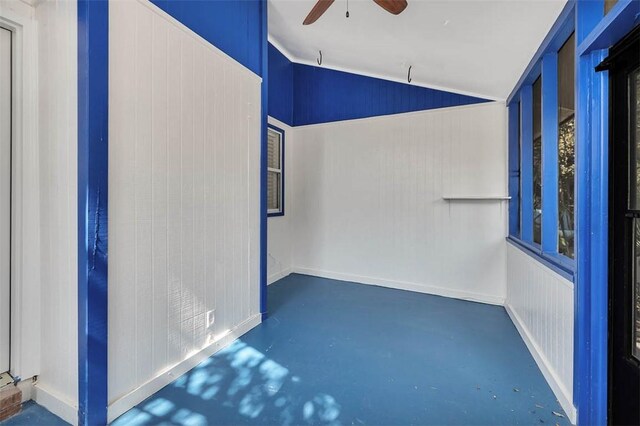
(275, 171)
(518, 148)
(537, 161)
(566, 147)
(542, 153)
(634, 203)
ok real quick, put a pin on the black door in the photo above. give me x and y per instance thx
(624, 219)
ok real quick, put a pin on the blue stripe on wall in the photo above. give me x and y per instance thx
(323, 95)
(280, 86)
(592, 221)
(232, 26)
(550, 152)
(303, 94)
(264, 108)
(93, 192)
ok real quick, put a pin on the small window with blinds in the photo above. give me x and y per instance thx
(275, 171)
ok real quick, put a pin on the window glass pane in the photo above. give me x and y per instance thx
(635, 327)
(634, 167)
(273, 191)
(608, 5)
(519, 232)
(635, 122)
(537, 161)
(566, 147)
(273, 149)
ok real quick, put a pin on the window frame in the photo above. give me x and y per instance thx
(520, 104)
(556, 197)
(281, 170)
(544, 139)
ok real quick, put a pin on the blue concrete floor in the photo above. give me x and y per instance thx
(33, 414)
(341, 353)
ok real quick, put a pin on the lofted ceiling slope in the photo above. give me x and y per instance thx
(473, 47)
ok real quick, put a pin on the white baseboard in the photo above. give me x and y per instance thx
(278, 276)
(560, 391)
(59, 405)
(26, 386)
(404, 285)
(136, 396)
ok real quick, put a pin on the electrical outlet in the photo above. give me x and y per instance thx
(211, 318)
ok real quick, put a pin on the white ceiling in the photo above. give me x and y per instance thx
(475, 47)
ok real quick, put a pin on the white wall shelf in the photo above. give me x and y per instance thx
(475, 197)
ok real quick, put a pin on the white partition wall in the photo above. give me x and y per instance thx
(5, 196)
(369, 201)
(280, 240)
(57, 387)
(184, 166)
(540, 303)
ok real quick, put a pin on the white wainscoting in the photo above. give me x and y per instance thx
(184, 162)
(57, 387)
(540, 303)
(368, 201)
(279, 231)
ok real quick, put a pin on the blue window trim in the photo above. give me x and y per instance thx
(592, 219)
(543, 65)
(558, 34)
(621, 19)
(93, 192)
(264, 107)
(594, 34)
(282, 166)
(550, 152)
(560, 264)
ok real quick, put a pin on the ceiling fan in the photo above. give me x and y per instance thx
(391, 6)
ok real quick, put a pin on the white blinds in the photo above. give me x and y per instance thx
(274, 173)
(273, 149)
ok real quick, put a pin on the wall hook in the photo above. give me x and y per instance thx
(319, 60)
(409, 74)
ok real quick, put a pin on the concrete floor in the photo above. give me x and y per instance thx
(333, 352)
(33, 414)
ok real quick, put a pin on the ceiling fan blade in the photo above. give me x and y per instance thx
(392, 6)
(317, 11)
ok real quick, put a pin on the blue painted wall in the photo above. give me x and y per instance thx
(303, 94)
(323, 95)
(232, 26)
(280, 86)
(93, 209)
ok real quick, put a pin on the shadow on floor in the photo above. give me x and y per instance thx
(238, 385)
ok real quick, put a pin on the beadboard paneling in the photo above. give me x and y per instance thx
(57, 387)
(184, 160)
(368, 201)
(540, 303)
(232, 26)
(322, 95)
(280, 105)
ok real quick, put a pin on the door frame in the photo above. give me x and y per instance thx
(620, 241)
(19, 18)
(7, 315)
